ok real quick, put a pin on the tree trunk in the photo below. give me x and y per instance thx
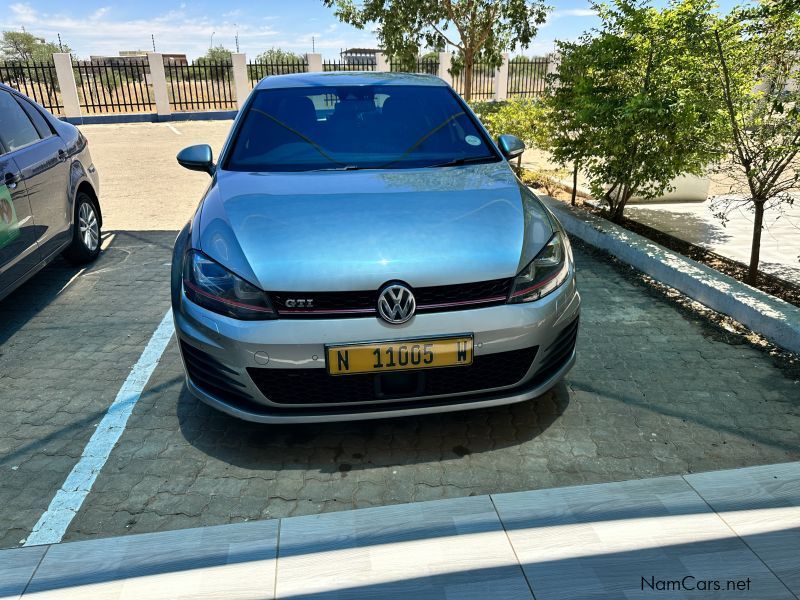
(619, 208)
(755, 249)
(574, 182)
(469, 64)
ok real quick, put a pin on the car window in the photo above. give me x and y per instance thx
(41, 124)
(356, 127)
(16, 129)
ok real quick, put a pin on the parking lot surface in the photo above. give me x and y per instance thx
(656, 390)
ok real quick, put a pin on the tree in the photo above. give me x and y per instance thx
(756, 52)
(217, 54)
(212, 62)
(478, 29)
(19, 47)
(23, 46)
(636, 103)
(527, 118)
(279, 56)
(275, 61)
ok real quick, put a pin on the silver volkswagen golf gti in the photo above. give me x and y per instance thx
(364, 250)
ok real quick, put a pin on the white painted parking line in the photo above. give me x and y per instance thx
(71, 279)
(175, 131)
(68, 500)
(107, 241)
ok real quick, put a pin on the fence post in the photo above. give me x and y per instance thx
(239, 63)
(314, 63)
(501, 80)
(445, 61)
(66, 83)
(553, 59)
(159, 80)
(381, 63)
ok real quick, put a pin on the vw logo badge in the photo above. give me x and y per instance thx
(396, 303)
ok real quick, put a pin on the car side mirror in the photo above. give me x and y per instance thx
(511, 146)
(197, 158)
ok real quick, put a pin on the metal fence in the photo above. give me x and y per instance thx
(430, 67)
(203, 85)
(482, 81)
(334, 65)
(124, 84)
(113, 86)
(527, 77)
(256, 71)
(36, 80)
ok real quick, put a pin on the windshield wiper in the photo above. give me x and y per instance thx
(343, 168)
(462, 161)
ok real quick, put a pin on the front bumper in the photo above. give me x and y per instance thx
(218, 351)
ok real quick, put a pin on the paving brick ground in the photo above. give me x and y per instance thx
(68, 339)
(656, 390)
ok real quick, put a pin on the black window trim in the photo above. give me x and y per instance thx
(27, 116)
(23, 101)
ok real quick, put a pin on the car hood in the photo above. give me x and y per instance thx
(356, 230)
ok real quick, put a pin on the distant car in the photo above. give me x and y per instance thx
(365, 250)
(48, 191)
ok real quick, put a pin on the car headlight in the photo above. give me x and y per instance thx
(545, 272)
(214, 287)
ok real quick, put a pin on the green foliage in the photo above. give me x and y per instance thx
(24, 46)
(21, 47)
(478, 29)
(278, 55)
(485, 108)
(636, 103)
(218, 54)
(526, 118)
(211, 64)
(275, 61)
(756, 54)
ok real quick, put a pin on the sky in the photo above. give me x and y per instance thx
(99, 27)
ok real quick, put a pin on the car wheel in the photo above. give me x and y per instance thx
(85, 245)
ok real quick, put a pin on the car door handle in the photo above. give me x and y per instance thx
(11, 180)
(62, 156)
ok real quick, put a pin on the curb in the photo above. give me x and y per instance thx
(209, 115)
(776, 320)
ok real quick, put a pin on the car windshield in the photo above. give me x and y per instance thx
(357, 127)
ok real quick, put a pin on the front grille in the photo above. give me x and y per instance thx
(210, 375)
(315, 386)
(558, 353)
(363, 303)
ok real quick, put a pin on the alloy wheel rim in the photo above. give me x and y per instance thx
(88, 226)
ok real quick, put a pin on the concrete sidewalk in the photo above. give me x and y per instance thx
(696, 223)
(722, 534)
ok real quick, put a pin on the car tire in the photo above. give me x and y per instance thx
(85, 246)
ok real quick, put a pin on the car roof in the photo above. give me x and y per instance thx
(336, 78)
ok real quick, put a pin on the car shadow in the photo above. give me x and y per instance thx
(353, 445)
(24, 303)
(59, 277)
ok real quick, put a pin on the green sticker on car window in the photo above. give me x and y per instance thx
(9, 227)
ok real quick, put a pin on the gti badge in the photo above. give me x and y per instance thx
(299, 303)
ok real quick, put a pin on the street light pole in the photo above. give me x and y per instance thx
(212, 39)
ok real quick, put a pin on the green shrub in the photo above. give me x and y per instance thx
(525, 118)
(484, 109)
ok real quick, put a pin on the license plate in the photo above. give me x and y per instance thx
(405, 355)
